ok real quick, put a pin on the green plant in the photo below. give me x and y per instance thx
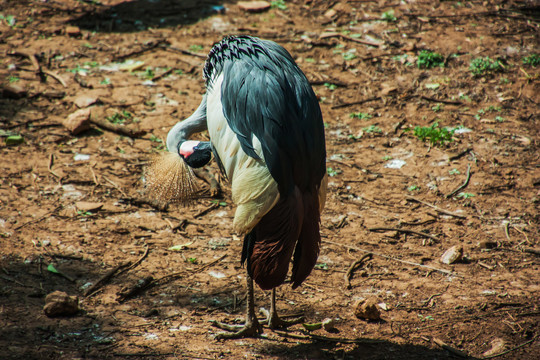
(434, 134)
(149, 73)
(436, 108)
(220, 203)
(485, 66)
(119, 118)
(454, 172)
(13, 79)
(387, 157)
(10, 20)
(349, 55)
(330, 87)
(428, 59)
(332, 172)
(532, 60)
(280, 4)
(465, 195)
(413, 188)
(321, 266)
(388, 16)
(192, 260)
(195, 48)
(361, 115)
(105, 81)
(372, 129)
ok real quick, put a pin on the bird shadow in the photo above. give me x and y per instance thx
(139, 15)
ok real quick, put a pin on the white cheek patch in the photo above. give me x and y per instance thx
(187, 147)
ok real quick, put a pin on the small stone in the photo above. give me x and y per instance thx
(84, 101)
(73, 31)
(59, 303)
(498, 345)
(330, 13)
(367, 310)
(254, 6)
(78, 121)
(452, 255)
(85, 206)
(13, 91)
(329, 324)
(486, 244)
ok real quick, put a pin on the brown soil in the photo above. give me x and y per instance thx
(486, 304)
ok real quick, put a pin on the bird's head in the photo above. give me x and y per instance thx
(196, 153)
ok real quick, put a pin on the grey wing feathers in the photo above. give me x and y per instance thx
(265, 94)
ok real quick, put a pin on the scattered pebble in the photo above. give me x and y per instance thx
(367, 309)
(84, 101)
(498, 345)
(78, 121)
(452, 255)
(73, 31)
(81, 157)
(88, 206)
(14, 91)
(254, 6)
(217, 274)
(329, 324)
(59, 303)
(395, 164)
(486, 244)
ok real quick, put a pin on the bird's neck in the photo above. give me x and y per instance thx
(184, 129)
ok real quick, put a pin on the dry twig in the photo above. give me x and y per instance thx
(355, 266)
(447, 272)
(105, 278)
(462, 186)
(436, 208)
(117, 128)
(406, 231)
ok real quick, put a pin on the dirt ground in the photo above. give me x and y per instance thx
(72, 208)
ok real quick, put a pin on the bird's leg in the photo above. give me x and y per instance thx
(251, 327)
(274, 321)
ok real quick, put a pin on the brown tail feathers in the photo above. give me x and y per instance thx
(268, 248)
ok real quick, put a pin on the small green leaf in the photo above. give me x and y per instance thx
(14, 140)
(311, 327)
(180, 247)
(52, 269)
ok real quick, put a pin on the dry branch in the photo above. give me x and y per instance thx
(447, 272)
(406, 231)
(117, 128)
(464, 185)
(442, 211)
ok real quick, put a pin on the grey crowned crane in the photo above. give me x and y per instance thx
(267, 135)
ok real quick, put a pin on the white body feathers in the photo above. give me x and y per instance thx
(254, 191)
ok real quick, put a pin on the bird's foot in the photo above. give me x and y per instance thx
(275, 322)
(252, 328)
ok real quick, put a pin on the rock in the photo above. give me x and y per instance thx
(452, 255)
(486, 244)
(498, 345)
(78, 121)
(85, 101)
(88, 206)
(254, 6)
(367, 310)
(59, 303)
(329, 324)
(73, 31)
(330, 13)
(13, 91)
